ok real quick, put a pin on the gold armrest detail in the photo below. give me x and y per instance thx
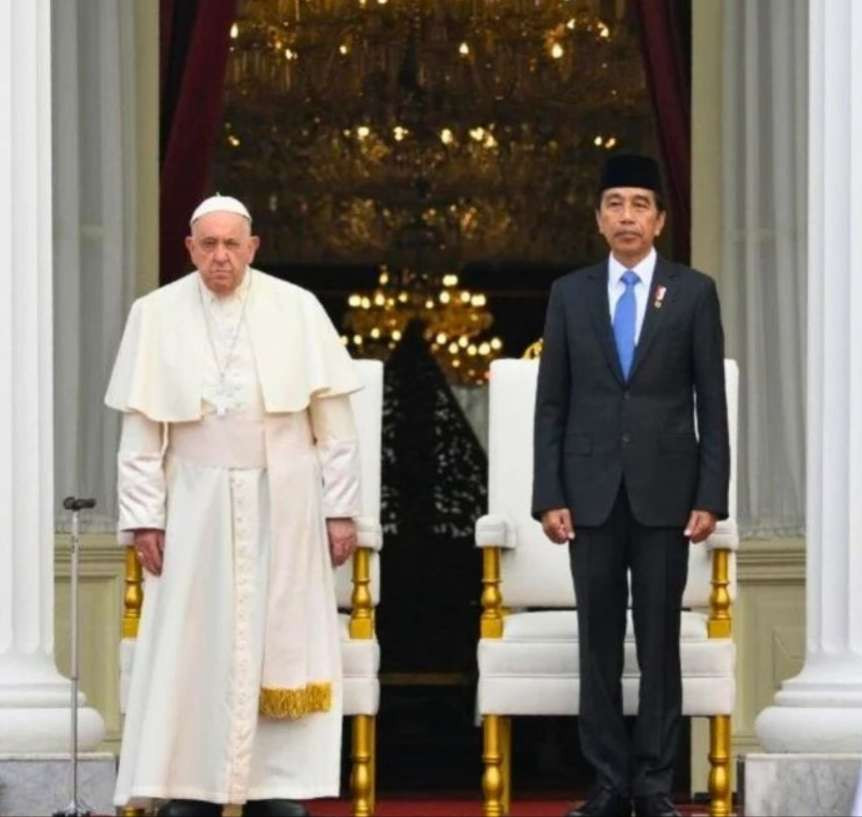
(362, 609)
(534, 350)
(491, 623)
(720, 623)
(133, 598)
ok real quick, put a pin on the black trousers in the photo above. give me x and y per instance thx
(601, 558)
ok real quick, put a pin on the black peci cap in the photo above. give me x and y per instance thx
(631, 170)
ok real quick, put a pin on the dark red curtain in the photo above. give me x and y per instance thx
(195, 37)
(665, 37)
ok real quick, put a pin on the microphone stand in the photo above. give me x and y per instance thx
(75, 505)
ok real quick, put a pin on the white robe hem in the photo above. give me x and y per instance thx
(144, 793)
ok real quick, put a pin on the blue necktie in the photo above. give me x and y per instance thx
(625, 322)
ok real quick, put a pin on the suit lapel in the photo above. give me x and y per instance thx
(656, 309)
(600, 314)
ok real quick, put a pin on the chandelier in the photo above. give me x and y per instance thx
(454, 322)
(346, 121)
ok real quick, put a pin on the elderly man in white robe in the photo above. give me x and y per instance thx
(238, 484)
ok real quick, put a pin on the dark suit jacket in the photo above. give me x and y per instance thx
(593, 429)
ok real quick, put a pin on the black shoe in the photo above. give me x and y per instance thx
(189, 808)
(606, 802)
(274, 808)
(656, 805)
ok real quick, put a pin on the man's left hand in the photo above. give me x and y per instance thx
(342, 539)
(700, 525)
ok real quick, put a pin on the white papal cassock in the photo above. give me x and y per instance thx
(238, 440)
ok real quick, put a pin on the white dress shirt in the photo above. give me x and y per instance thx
(644, 270)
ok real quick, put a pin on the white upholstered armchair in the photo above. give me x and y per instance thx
(528, 650)
(357, 590)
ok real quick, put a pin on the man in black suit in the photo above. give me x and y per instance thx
(631, 346)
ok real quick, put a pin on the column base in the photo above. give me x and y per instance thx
(800, 784)
(48, 729)
(815, 729)
(40, 784)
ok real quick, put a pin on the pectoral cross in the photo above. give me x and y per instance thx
(220, 401)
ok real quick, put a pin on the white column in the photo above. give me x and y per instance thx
(34, 697)
(820, 710)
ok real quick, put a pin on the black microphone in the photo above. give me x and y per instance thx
(71, 503)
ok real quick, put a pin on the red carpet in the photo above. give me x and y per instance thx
(455, 806)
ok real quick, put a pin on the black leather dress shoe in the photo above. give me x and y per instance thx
(274, 808)
(606, 802)
(656, 805)
(189, 808)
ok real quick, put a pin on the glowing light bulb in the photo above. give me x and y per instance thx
(441, 338)
(399, 133)
(363, 131)
(375, 333)
(598, 141)
(453, 348)
(396, 334)
(357, 339)
(354, 300)
(444, 297)
(464, 49)
(557, 51)
(234, 31)
(496, 344)
(484, 348)
(446, 136)
(465, 297)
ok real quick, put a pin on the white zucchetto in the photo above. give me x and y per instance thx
(220, 204)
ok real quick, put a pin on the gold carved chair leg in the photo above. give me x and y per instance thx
(492, 777)
(720, 626)
(719, 766)
(133, 600)
(495, 728)
(363, 774)
(361, 780)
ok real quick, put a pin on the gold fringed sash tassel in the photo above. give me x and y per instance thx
(295, 703)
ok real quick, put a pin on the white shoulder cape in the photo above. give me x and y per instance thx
(159, 366)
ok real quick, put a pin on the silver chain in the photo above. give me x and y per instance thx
(222, 370)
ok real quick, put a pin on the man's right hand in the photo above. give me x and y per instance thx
(557, 525)
(150, 547)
